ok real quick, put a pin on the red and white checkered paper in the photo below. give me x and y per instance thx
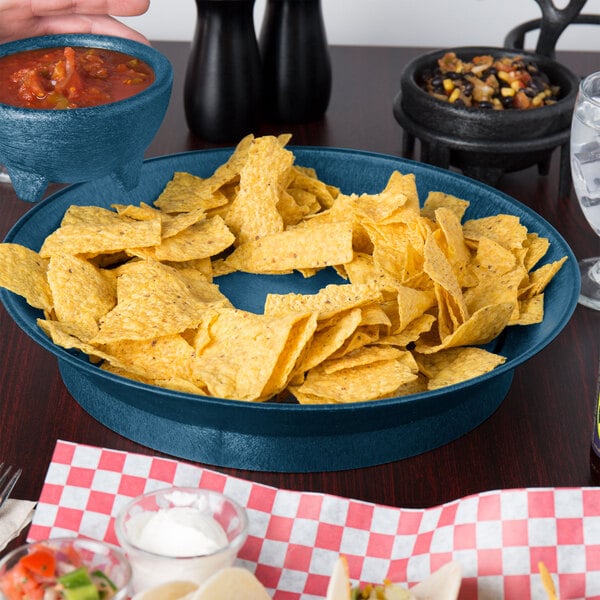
(295, 537)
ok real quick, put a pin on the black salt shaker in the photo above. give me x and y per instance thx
(295, 61)
(222, 92)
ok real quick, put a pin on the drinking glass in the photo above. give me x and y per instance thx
(585, 168)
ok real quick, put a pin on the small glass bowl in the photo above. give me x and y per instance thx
(95, 555)
(166, 561)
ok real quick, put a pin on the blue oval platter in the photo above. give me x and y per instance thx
(290, 437)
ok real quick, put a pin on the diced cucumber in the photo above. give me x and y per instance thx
(84, 592)
(78, 585)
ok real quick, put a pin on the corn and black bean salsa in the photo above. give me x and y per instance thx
(488, 82)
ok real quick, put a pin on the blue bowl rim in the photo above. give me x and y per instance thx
(9, 300)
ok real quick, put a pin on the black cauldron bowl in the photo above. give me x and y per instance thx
(484, 143)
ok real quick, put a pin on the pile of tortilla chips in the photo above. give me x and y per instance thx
(136, 288)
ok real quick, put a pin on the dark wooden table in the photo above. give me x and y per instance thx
(540, 435)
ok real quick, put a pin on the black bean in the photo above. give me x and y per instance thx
(537, 84)
(544, 78)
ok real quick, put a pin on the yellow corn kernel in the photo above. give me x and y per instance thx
(454, 95)
(517, 85)
(504, 76)
(448, 85)
(507, 92)
(538, 100)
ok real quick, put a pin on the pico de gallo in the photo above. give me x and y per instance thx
(57, 78)
(49, 574)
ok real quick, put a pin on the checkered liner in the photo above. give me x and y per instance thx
(295, 537)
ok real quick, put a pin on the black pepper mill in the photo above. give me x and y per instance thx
(222, 92)
(296, 64)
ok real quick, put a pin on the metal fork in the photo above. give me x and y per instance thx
(8, 478)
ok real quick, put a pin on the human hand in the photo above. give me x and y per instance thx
(19, 19)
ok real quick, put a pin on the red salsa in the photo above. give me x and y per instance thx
(70, 77)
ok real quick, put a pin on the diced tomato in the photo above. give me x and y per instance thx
(20, 584)
(32, 588)
(40, 562)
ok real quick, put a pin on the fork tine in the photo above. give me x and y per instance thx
(6, 487)
(4, 473)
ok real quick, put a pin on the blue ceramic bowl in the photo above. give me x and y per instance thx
(82, 144)
(289, 437)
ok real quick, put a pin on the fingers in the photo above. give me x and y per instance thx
(120, 8)
(102, 25)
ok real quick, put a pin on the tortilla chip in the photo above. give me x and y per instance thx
(506, 230)
(492, 259)
(530, 311)
(411, 333)
(540, 278)
(436, 200)
(364, 356)
(454, 246)
(162, 357)
(23, 272)
(242, 361)
(362, 383)
(152, 301)
(456, 365)
(201, 240)
(329, 339)
(328, 302)
(306, 179)
(82, 293)
(253, 213)
(452, 308)
(481, 328)
(112, 233)
(187, 192)
(314, 248)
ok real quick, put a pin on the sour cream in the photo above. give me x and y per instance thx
(180, 534)
(180, 531)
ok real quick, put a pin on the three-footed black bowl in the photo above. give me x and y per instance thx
(482, 142)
